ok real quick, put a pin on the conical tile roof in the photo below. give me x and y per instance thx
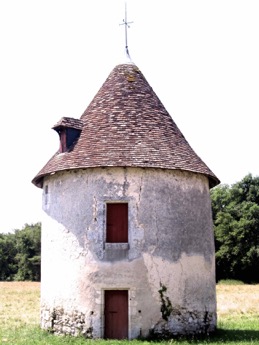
(126, 125)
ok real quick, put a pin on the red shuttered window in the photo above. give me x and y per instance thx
(117, 223)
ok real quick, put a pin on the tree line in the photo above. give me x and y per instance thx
(236, 227)
(20, 254)
(235, 211)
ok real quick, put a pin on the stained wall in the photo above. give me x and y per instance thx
(168, 263)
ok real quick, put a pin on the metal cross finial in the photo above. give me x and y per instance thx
(126, 24)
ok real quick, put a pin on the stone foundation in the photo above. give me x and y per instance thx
(59, 321)
(76, 323)
(184, 323)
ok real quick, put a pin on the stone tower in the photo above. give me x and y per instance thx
(127, 236)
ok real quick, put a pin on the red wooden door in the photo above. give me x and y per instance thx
(116, 314)
(117, 223)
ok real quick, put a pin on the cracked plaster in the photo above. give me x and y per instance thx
(170, 242)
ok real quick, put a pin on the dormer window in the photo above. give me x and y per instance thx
(69, 131)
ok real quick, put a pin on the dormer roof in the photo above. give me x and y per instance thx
(69, 122)
(126, 125)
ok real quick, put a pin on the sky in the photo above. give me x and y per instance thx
(201, 57)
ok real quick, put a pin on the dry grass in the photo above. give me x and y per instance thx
(238, 315)
(19, 304)
(237, 299)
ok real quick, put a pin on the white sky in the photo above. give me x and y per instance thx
(200, 56)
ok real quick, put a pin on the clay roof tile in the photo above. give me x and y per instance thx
(127, 125)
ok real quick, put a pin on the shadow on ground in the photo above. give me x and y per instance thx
(220, 336)
(235, 335)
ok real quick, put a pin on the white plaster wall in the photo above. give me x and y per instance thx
(170, 243)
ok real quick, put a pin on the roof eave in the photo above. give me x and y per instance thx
(39, 179)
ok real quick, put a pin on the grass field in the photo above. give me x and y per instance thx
(238, 318)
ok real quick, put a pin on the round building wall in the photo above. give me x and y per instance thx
(163, 269)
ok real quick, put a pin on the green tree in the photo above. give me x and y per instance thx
(8, 265)
(28, 246)
(236, 226)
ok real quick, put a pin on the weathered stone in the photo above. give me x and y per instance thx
(170, 245)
